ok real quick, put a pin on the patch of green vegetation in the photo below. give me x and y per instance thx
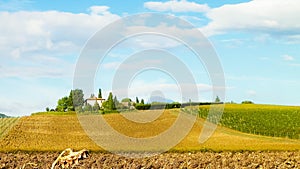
(54, 113)
(268, 120)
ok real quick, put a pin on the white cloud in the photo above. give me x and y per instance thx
(163, 38)
(176, 6)
(99, 10)
(37, 71)
(287, 58)
(277, 17)
(130, 65)
(30, 41)
(233, 43)
(111, 65)
(154, 42)
(39, 49)
(147, 40)
(13, 5)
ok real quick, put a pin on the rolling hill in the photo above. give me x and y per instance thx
(55, 132)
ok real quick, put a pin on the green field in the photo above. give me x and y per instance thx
(57, 131)
(275, 121)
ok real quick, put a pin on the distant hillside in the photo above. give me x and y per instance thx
(3, 115)
(160, 99)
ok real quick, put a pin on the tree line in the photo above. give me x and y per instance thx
(75, 102)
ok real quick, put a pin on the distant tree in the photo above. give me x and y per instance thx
(47, 109)
(96, 107)
(142, 101)
(78, 100)
(70, 99)
(70, 102)
(109, 103)
(88, 108)
(116, 102)
(92, 96)
(62, 104)
(217, 100)
(247, 102)
(79, 109)
(137, 100)
(126, 100)
(141, 106)
(231, 102)
(70, 108)
(99, 94)
(104, 104)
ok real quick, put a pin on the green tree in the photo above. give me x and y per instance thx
(79, 109)
(47, 109)
(116, 102)
(96, 107)
(247, 102)
(217, 100)
(88, 108)
(70, 102)
(99, 94)
(142, 101)
(78, 100)
(62, 104)
(109, 103)
(137, 100)
(126, 100)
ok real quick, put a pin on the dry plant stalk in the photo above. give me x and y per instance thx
(33, 165)
(68, 158)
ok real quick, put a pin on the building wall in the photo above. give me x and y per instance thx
(92, 102)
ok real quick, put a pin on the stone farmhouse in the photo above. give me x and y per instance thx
(93, 100)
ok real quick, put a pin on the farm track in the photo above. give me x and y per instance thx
(257, 159)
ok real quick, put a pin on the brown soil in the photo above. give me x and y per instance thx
(166, 160)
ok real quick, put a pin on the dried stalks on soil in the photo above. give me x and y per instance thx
(68, 158)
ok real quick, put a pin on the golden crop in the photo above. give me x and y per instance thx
(56, 132)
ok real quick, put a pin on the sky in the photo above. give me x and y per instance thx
(257, 43)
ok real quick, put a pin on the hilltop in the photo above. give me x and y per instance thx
(3, 115)
(56, 131)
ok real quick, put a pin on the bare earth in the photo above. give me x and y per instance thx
(257, 159)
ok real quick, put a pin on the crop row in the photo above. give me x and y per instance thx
(6, 124)
(276, 121)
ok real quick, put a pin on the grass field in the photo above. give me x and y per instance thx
(56, 131)
(275, 121)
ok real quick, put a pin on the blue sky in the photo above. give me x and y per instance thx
(40, 41)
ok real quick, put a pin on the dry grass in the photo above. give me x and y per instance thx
(6, 124)
(141, 130)
(57, 132)
(46, 133)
